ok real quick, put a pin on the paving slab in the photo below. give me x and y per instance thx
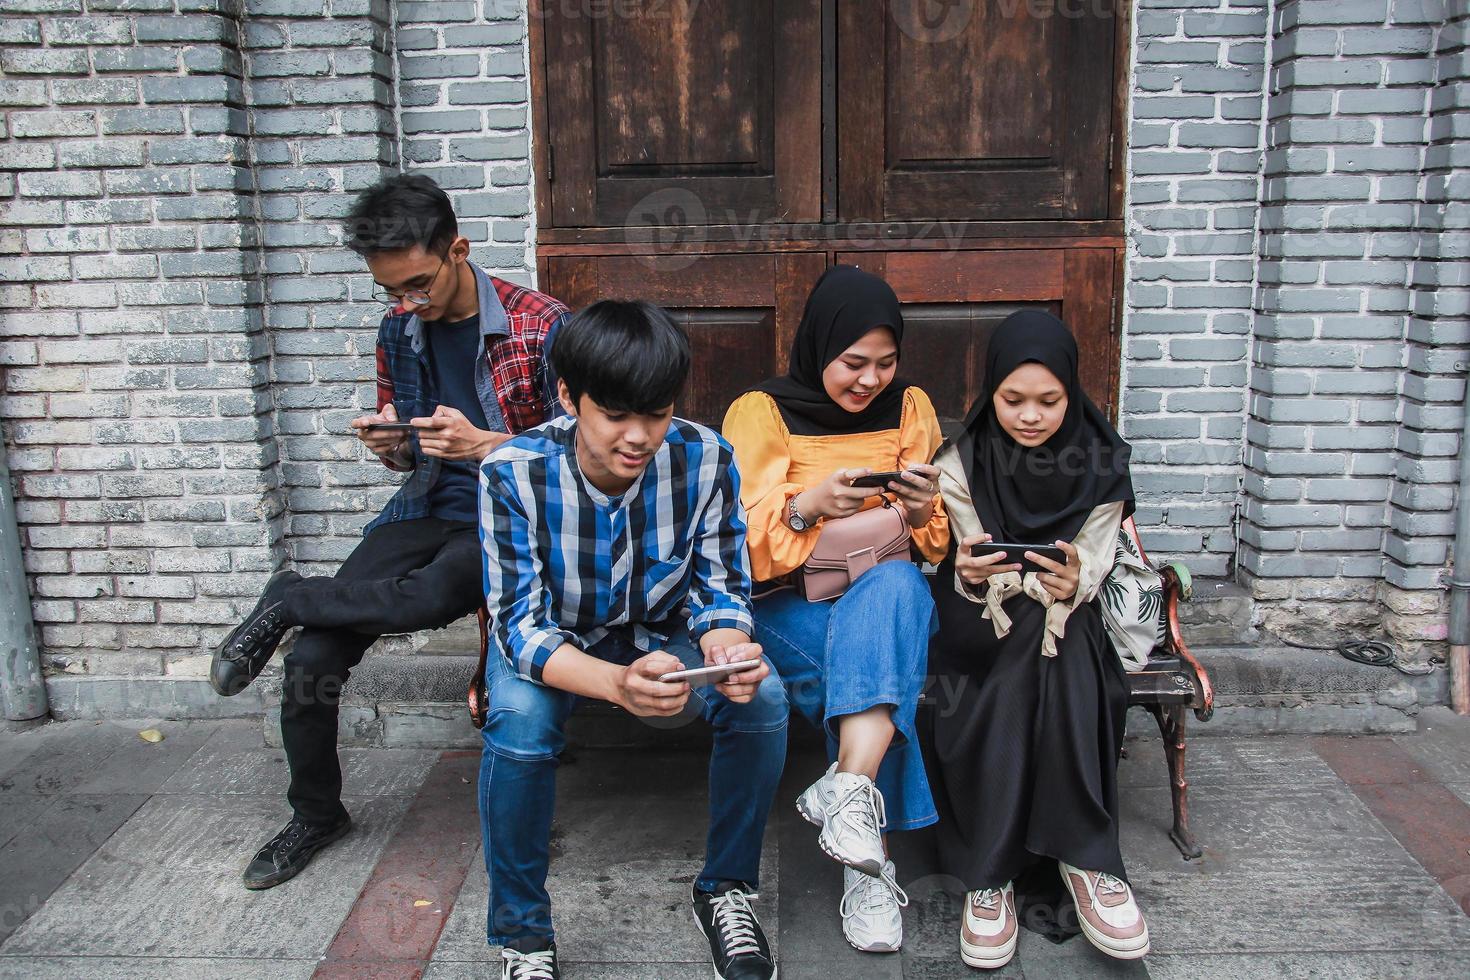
(1263, 761)
(168, 884)
(1310, 966)
(626, 844)
(1443, 745)
(44, 853)
(234, 762)
(151, 967)
(1303, 869)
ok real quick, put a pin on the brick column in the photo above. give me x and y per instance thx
(1194, 176)
(1421, 506)
(135, 404)
(321, 110)
(465, 119)
(1345, 147)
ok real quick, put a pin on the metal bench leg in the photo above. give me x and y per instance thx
(1171, 727)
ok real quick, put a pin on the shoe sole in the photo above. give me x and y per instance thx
(875, 947)
(987, 958)
(816, 819)
(718, 975)
(1107, 944)
(286, 874)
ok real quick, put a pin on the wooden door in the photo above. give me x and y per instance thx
(741, 311)
(664, 113)
(974, 109)
(953, 301)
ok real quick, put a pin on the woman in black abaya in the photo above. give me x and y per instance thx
(1029, 693)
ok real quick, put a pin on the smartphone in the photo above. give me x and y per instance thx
(1016, 554)
(714, 673)
(879, 480)
(391, 427)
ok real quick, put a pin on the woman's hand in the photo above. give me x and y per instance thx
(974, 570)
(1058, 579)
(915, 489)
(835, 496)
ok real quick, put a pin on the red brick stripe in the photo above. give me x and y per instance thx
(385, 937)
(1432, 823)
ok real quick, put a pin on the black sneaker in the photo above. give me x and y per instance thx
(289, 852)
(536, 961)
(737, 945)
(245, 652)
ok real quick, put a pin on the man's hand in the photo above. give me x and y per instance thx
(1060, 580)
(740, 687)
(640, 692)
(385, 445)
(447, 434)
(975, 569)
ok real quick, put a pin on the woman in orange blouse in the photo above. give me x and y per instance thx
(854, 665)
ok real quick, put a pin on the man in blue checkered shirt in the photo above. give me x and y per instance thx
(614, 545)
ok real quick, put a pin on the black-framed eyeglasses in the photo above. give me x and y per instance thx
(410, 297)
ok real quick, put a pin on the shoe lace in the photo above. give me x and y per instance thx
(736, 921)
(989, 899)
(873, 893)
(530, 966)
(269, 623)
(1110, 884)
(864, 806)
(290, 834)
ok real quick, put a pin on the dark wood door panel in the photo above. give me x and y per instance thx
(953, 301)
(740, 311)
(993, 112)
(688, 112)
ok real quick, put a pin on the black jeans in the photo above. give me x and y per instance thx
(401, 578)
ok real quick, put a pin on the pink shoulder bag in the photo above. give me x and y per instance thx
(848, 546)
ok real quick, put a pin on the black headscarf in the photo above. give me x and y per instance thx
(844, 305)
(1044, 493)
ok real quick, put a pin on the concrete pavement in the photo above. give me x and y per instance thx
(1328, 856)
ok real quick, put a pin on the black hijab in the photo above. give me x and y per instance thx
(844, 305)
(1045, 493)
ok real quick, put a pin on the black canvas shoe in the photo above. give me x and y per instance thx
(245, 652)
(285, 855)
(534, 960)
(737, 945)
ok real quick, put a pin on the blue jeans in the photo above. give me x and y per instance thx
(866, 648)
(523, 734)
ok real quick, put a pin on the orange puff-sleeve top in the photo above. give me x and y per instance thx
(776, 466)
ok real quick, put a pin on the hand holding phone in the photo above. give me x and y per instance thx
(1015, 554)
(709, 674)
(879, 480)
(389, 427)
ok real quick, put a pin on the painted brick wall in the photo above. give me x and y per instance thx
(1195, 139)
(1331, 385)
(136, 402)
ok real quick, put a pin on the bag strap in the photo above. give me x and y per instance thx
(477, 696)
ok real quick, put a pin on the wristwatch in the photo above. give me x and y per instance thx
(794, 518)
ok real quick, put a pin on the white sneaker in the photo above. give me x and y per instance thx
(849, 809)
(1109, 916)
(988, 932)
(871, 920)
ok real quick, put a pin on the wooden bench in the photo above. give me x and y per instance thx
(1172, 683)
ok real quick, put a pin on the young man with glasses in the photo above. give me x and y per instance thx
(460, 360)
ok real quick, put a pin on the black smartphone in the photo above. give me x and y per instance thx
(879, 480)
(1016, 554)
(391, 427)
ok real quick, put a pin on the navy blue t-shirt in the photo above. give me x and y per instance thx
(453, 349)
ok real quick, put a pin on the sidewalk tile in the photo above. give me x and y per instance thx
(168, 884)
(152, 967)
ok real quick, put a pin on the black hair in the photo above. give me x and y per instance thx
(625, 355)
(400, 212)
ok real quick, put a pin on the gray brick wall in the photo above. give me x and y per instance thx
(1195, 151)
(1437, 343)
(1333, 390)
(135, 402)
